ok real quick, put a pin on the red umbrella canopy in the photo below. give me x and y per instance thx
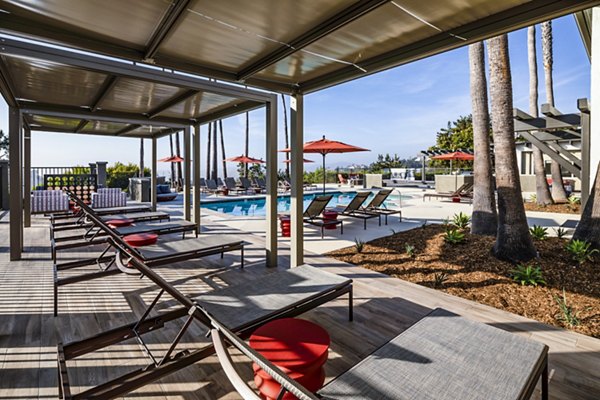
(305, 160)
(171, 159)
(457, 155)
(326, 146)
(245, 160)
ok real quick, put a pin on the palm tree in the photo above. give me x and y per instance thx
(208, 151)
(214, 173)
(247, 141)
(513, 241)
(543, 196)
(141, 174)
(287, 138)
(173, 178)
(179, 170)
(558, 190)
(223, 149)
(589, 225)
(484, 219)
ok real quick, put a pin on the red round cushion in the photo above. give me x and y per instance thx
(118, 223)
(141, 239)
(270, 388)
(292, 344)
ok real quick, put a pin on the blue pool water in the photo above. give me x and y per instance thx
(256, 207)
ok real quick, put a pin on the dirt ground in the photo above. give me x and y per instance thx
(473, 273)
(554, 208)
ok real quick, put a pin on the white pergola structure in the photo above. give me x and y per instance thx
(291, 47)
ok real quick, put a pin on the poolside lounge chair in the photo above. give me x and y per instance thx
(244, 307)
(212, 186)
(312, 214)
(377, 205)
(461, 191)
(233, 187)
(353, 209)
(245, 183)
(443, 355)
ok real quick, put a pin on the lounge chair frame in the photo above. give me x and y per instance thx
(172, 361)
(313, 217)
(458, 193)
(377, 206)
(354, 210)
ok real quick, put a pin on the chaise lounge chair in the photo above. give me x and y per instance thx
(354, 210)
(233, 187)
(312, 214)
(461, 191)
(443, 355)
(377, 206)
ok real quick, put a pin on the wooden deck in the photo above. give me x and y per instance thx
(384, 307)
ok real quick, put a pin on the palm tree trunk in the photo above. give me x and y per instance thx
(215, 164)
(484, 220)
(179, 170)
(558, 190)
(513, 241)
(543, 196)
(588, 228)
(173, 178)
(247, 142)
(208, 151)
(223, 149)
(287, 137)
(141, 158)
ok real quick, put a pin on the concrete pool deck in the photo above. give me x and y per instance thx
(415, 212)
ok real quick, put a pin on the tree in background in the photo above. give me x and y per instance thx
(214, 172)
(117, 175)
(254, 170)
(484, 220)
(513, 241)
(543, 196)
(287, 137)
(3, 144)
(179, 170)
(457, 135)
(173, 177)
(223, 149)
(385, 161)
(558, 190)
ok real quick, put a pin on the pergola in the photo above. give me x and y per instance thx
(294, 47)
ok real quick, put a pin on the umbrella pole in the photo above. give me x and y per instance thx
(324, 174)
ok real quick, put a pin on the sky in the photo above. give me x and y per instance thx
(397, 111)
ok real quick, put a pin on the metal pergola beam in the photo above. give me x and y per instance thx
(164, 27)
(6, 87)
(108, 116)
(229, 111)
(332, 24)
(512, 19)
(105, 134)
(81, 125)
(121, 69)
(127, 129)
(552, 154)
(172, 102)
(105, 89)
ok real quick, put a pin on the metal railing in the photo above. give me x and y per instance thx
(37, 173)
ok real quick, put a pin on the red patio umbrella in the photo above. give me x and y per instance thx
(456, 155)
(171, 159)
(326, 146)
(304, 159)
(245, 160)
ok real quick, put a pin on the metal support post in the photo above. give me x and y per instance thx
(186, 173)
(15, 181)
(27, 178)
(196, 187)
(271, 196)
(153, 176)
(297, 179)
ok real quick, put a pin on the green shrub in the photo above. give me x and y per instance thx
(439, 279)
(454, 236)
(117, 175)
(561, 232)
(538, 232)
(574, 201)
(527, 275)
(567, 314)
(461, 220)
(359, 245)
(410, 250)
(581, 251)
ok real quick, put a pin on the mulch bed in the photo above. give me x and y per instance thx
(474, 273)
(554, 208)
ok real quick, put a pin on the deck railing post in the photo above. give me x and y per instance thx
(15, 182)
(297, 179)
(101, 173)
(271, 196)
(27, 178)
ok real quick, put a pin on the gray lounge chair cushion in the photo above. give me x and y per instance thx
(137, 216)
(188, 246)
(444, 357)
(242, 305)
(144, 227)
(124, 209)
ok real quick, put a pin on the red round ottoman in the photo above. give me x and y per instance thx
(119, 223)
(286, 225)
(330, 215)
(298, 347)
(141, 239)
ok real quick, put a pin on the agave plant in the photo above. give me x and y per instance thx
(538, 232)
(454, 236)
(461, 220)
(581, 251)
(528, 275)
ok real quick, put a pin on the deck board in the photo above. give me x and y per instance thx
(384, 307)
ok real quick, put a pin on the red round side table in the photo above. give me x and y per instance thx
(298, 347)
(119, 223)
(329, 215)
(140, 239)
(286, 225)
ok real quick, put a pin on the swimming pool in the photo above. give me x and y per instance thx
(256, 207)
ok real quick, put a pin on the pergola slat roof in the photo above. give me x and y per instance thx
(286, 46)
